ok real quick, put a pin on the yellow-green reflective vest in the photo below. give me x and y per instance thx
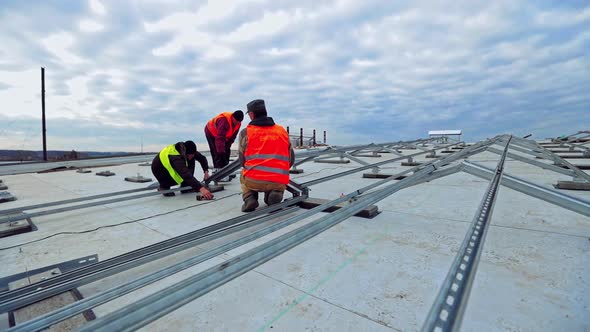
(170, 150)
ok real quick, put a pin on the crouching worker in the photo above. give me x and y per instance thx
(175, 165)
(265, 155)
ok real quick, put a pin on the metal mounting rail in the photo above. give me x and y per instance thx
(424, 174)
(162, 302)
(31, 167)
(303, 157)
(558, 198)
(534, 162)
(361, 168)
(35, 292)
(82, 206)
(584, 149)
(572, 137)
(235, 165)
(354, 148)
(152, 307)
(226, 171)
(63, 313)
(447, 311)
(557, 159)
(75, 200)
(77, 307)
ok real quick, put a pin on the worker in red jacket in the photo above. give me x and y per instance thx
(221, 132)
(266, 155)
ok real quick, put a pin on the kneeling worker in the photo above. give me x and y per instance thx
(266, 155)
(175, 165)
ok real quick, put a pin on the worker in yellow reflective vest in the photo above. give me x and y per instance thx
(175, 165)
(266, 155)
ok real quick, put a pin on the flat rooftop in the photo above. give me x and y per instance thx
(379, 274)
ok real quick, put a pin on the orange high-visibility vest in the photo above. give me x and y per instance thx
(212, 125)
(267, 154)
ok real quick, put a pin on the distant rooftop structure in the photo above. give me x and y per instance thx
(444, 135)
(444, 132)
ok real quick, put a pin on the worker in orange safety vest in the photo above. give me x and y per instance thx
(266, 155)
(221, 132)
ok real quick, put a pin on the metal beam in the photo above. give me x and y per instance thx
(31, 167)
(150, 308)
(77, 307)
(534, 162)
(40, 290)
(393, 151)
(358, 169)
(56, 316)
(528, 151)
(85, 205)
(224, 172)
(355, 170)
(558, 160)
(74, 200)
(353, 158)
(552, 196)
(447, 311)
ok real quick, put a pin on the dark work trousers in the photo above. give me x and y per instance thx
(219, 160)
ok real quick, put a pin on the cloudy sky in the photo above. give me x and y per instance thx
(119, 73)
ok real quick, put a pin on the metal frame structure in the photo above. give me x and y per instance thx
(575, 141)
(447, 311)
(30, 167)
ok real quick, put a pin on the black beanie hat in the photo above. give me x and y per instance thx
(238, 115)
(257, 107)
(191, 147)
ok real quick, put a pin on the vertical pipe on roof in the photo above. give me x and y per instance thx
(300, 136)
(43, 113)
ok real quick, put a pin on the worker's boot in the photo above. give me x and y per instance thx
(250, 203)
(225, 179)
(273, 197)
(166, 194)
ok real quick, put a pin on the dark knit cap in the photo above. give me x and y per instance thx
(238, 115)
(191, 147)
(257, 107)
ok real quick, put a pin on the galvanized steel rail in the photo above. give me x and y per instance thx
(35, 292)
(361, 168)
(552, 156)
(115, 292)
(424, 173)
(73, 200)
(22, 216)
(164, 301)
(558, 198)
(447, 311)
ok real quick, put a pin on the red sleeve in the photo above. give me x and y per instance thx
(222, 128)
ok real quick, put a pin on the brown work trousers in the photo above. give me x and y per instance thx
(253, 187)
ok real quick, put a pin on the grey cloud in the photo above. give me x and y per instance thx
(371, 69)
